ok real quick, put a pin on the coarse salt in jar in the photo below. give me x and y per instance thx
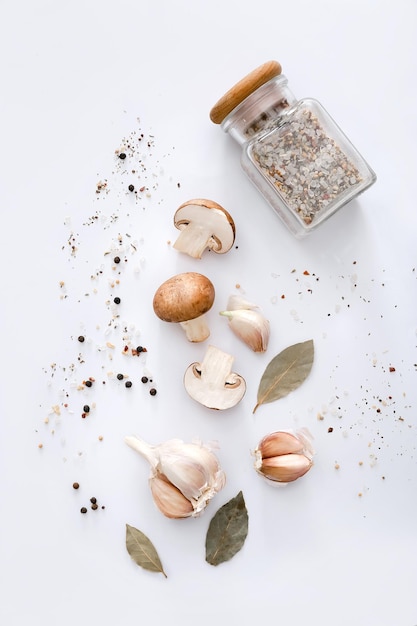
(293, 151)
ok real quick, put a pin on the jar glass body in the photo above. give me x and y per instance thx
(297, 156)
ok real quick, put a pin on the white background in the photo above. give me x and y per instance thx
(339, 546)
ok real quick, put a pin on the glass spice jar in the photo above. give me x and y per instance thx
(293, 151)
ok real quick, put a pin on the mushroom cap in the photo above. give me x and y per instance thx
(183, 297)
(212, 215)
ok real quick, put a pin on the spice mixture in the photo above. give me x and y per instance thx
(306, 166)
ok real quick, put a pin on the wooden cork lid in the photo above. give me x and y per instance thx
(243, 89)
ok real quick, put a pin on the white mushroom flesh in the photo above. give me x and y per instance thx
(212, 382)
(203, 226)
(196, 330)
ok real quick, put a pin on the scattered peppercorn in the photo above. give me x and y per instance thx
(120, 376)
(122, 156)
(139, 349)
(128, 383)
(116, 259)
(88, 383)
(81, 339)
(93, 500)
(76, 485)
(117, 300)
(131, 188)
(94, 506)
(83, 509)
(152, 391)
(144, 379)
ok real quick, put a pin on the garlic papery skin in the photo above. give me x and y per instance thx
(250, 326)
(284, 456)
(184, 476)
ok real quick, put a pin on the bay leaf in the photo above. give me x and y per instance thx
(227, 531)
(142, 550)
(285, 372)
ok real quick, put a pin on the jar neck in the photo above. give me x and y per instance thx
(259, 110)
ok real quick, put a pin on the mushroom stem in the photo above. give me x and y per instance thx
(196, 330)
(216, 368)
(194, 239)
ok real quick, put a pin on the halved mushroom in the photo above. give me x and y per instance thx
(212, 382)
(203, 224)
(184, 299)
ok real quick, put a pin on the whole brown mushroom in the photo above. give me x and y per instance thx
(184, 299)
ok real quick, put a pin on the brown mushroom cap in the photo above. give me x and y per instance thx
(183, 297)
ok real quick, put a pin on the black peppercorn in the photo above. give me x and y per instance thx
(116, 259)
(152, 391)
(86, 408)
(120, 376)
(144, 379)
(81, 339)
(76, 485)
(122, 156)
(94, 506)
(117, 300)
(93, 500)
(128, 384)
(83, 509)
(131, 188)
(88, 383)
(139, 349)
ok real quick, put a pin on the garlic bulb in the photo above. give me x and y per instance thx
(184, 476)
(284, 456)
(246, 321)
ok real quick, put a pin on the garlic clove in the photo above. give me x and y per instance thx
(192, 467)
(278, 443)
(189, 477)
(236, 303)
(250, 326)
(169, 500)
(285, 468)
(184, 477)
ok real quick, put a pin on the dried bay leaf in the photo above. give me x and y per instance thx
(142, 550)
(227, 531)
(285, 372)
